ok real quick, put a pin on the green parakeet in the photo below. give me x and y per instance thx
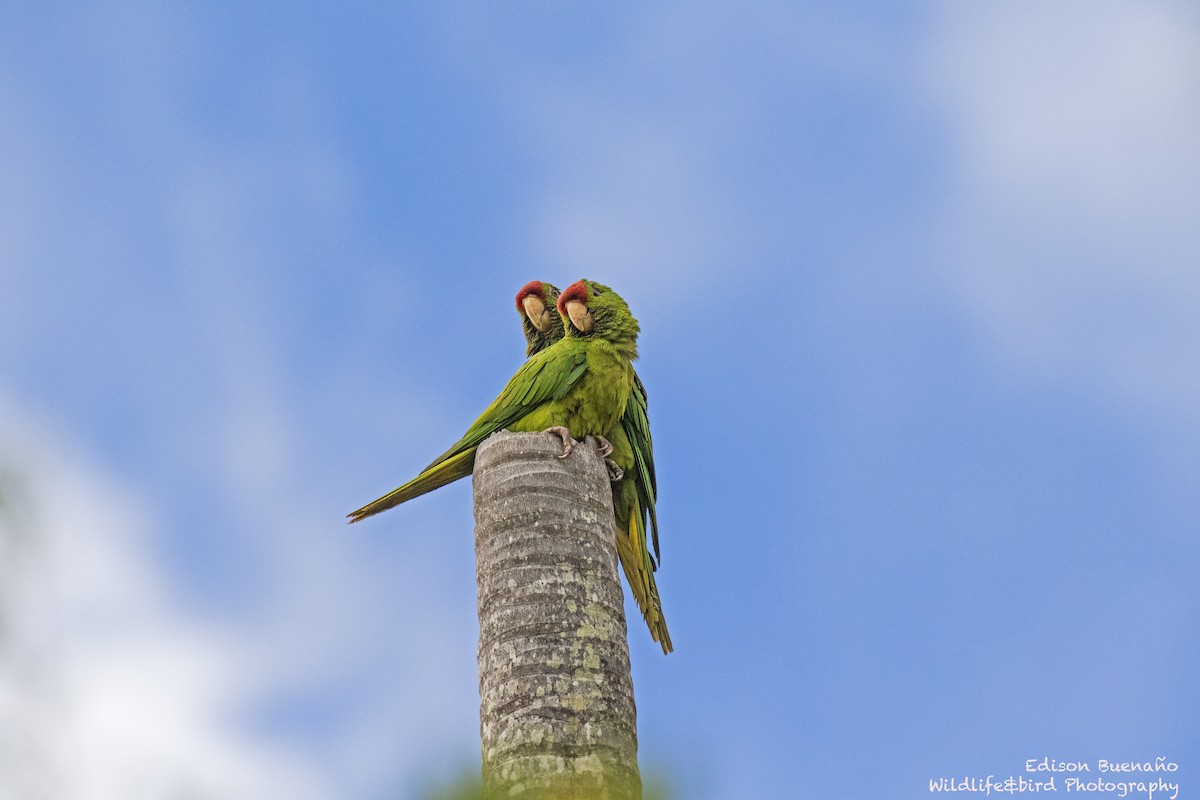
(576, 387)
(634, 495)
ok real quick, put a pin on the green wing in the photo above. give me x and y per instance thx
(636, 423)
(546, 377)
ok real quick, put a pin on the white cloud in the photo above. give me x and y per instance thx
(109, 688)
(1077, 109)
(105, 690)
(170, 257)
(1071, 221)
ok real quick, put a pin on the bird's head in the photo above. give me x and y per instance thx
(592, 309)
(537, 303)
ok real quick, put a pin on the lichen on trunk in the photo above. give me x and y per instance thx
(557, 716)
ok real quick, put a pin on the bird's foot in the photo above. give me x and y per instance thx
(615, 473)
(568, 443)
(604, 446)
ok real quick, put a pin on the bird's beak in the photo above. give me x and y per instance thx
(580, 316)
(536, 310)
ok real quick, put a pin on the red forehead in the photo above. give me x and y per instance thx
(576, 291)
(533, 287)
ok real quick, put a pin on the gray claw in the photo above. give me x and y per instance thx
(605, 447)
(568, 443)
(615, 473)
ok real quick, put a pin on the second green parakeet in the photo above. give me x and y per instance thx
(537, 302)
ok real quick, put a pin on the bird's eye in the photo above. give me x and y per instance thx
(595, 292)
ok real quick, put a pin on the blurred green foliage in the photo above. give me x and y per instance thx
(468, 785)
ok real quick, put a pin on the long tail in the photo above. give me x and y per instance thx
(439, 474)
(639, 572)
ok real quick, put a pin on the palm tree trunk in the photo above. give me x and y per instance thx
(557, 718)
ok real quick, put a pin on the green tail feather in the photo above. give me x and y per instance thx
(435, 476)
(639, 572)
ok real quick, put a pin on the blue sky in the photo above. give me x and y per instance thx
(920, 320)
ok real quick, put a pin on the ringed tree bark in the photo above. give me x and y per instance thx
(557, 717)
